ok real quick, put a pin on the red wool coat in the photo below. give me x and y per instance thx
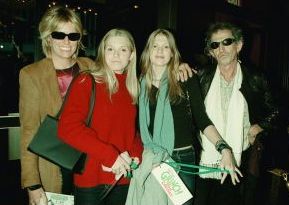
(112, 131)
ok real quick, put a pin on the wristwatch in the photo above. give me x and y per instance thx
(221, 144)
(34, 187)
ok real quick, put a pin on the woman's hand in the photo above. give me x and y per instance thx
(228, 163)
(37, 197)
(121, 165)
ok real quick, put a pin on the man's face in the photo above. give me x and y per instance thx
(227, 50)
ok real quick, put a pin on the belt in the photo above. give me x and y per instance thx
(183, 148)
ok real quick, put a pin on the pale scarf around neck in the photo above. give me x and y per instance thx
(163, 137)
(233, 134)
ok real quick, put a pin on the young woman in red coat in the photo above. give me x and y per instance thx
(112, 141)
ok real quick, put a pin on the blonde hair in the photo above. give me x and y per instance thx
(103, 73)
(175, 91)
(50, 22)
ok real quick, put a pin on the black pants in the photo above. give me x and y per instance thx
(211, 192)
(67, 181)
(91, 196)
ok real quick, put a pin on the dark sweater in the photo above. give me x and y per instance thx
(189, 114)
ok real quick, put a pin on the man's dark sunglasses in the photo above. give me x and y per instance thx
(225, 42)
(60, 36)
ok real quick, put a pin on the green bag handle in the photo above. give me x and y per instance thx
(91, 101)
(178, 167)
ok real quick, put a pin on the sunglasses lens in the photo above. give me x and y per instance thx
(214, 45)
(227, 41)
(74, 36)
(61, 35)
(58, 35)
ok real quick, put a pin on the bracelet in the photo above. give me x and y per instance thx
(221, 144)
(34, 187)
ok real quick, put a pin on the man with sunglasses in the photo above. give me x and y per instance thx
(43, 86)
(239, 103)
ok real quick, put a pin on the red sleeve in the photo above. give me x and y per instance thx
(72, 128)
(137, 147)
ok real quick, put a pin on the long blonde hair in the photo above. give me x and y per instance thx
(103, 73)
(175, 91)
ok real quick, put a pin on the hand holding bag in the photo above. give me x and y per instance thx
(48, 145)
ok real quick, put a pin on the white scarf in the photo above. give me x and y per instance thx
(233, 134)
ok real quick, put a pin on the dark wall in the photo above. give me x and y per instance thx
(265, 26)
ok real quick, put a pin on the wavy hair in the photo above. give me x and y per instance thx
(215, 27)
(50, 22)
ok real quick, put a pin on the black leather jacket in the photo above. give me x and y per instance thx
(262, 109)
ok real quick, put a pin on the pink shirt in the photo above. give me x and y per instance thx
(65, 77)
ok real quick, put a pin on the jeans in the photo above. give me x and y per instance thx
(92, 195)
(186, 156)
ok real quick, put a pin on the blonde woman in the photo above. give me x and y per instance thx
(43, 85)
(112, 141)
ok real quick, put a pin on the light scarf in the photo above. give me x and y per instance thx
(144, 189)
(233, 133)
(163, 134)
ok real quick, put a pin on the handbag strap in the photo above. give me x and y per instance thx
(91, 101)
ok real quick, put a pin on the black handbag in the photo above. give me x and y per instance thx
(48, 145)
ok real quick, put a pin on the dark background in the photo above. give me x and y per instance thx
(266, 32)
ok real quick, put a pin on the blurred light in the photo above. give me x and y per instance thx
(136, 6)
(6, 46)
(84, 10)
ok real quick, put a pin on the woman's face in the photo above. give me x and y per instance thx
(117, 53)
(63, 49)
(160, 54)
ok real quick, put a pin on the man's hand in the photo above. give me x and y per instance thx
(227, 162)
(184, 72)
(253, 132)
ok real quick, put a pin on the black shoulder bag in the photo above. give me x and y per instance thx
(48, 145)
